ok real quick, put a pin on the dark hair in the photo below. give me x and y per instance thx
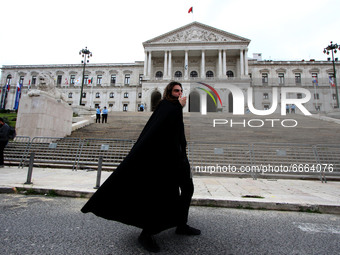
(167, 94)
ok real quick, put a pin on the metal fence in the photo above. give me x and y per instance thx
(244, 159)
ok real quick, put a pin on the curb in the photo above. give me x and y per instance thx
(209, 202)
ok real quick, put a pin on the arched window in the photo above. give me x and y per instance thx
(9, 78)
(126, 95)
(159, 74)
(230, 73)
(193, 74)
(209, 74)
(70, 95)
(97, 95)
(112, 95)
(84, 94)
(178, 74)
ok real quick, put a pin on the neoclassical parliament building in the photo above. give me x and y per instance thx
(190, 54)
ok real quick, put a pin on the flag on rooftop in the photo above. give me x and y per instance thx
(191, 10)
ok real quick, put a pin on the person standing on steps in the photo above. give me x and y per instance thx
(98, 111)
(104, 115)
(4, 131)
(152, 188)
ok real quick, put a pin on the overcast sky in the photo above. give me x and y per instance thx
(53, 32)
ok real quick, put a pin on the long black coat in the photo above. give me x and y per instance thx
(144, 189)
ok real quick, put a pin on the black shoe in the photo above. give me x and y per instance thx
(187, 230)
(148, 242)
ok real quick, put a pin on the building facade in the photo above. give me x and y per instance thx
(190, 54)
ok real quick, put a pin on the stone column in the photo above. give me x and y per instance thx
(246, 63)
(224, 61)
(146, 63)
(149, 64)
(203, 65)
(165, 75)
(219, 64)
(186, 67)
(170, 66)
(241, 64)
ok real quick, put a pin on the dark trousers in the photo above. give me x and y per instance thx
(187, 190)
(104, 117)
(2, 148)
(98, 118)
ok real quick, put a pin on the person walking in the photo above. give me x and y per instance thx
(4, 132)
(98, 111)
(104, 115)
(152, 187)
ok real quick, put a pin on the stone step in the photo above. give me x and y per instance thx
(128, 125)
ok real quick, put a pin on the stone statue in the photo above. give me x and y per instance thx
(46, 86)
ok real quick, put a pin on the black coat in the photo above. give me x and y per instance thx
(144, 189)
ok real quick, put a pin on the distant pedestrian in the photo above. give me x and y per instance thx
(141, 108)
(98, 111)
(292, 108)
(4, 131)
(104, 115)
(287, 108)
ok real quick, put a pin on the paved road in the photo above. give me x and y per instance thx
(54, 225)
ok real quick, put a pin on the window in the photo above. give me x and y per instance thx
(86, 79)
(113, 79)
(193, 74)
(178, 74)
(298, 78)
(126, 95)
(299, 95)
(209, 74)
(34, 80)
(21, 80)
(230, 73)
(316, 96)
(315, 79)
(99, 79)
(127, 79)
(318, 108)
(334, 96)
(140, 79)
(265, 96)
(110, 105)
(125, 107)
(266, 107)
(264, 78)
(281, 78)
(59, 78)
(139, 95)
(97, 95)
(112, 95)
(72, 79)
(70, 95)
(84, 94)
(9, 79)
(159, 74)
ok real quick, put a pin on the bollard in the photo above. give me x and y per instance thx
(30, 169)
(99, 172)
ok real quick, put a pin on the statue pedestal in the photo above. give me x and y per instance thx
(44, 116)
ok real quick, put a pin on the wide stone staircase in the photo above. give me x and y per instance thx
(244, 146)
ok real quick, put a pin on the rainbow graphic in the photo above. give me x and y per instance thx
(208, 92)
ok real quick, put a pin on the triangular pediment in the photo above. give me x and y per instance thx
(197, 33)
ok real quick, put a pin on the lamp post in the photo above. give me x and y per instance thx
(333, 48)
(85, 54)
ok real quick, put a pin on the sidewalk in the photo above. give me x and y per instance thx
(289, 195)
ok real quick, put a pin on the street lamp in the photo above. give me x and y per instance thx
(85, 54)
(333, 48)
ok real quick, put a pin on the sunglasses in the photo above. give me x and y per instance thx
(177, 90)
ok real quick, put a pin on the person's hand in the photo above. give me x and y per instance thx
(182, 101)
